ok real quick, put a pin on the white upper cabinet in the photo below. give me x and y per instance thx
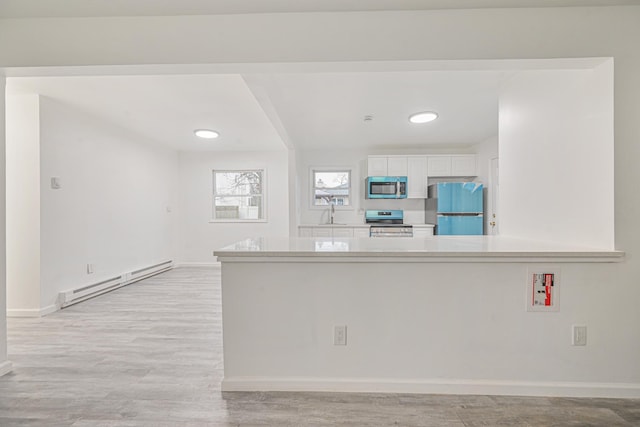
(452, 165)
(387, 166)
(463, 165)
(377, 166)
(417, 169)
(417, 177)
(439, 165)
(397, 166)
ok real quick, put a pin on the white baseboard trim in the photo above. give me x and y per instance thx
(198, 264)
(49, 309)
(32, 312)
(487, 387)
(5, 367)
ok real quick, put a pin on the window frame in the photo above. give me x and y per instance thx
(263, 196)
(312, 186)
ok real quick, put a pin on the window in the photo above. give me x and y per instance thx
(331, 187)
(238, 195)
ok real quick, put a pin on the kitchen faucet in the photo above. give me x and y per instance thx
(332, 210)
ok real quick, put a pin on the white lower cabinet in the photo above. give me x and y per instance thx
(361, 232)
(328, 231)
(305, 231)
(322, 232)
(342, 232)
(422, 231)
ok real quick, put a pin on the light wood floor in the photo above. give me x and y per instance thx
(150, 354)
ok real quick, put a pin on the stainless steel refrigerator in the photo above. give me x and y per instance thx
(456, 208)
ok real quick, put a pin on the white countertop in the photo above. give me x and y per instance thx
(399, 249)
(359, 225)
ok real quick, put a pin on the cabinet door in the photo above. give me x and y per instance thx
(361, 232)
(417, 177)
(463, 165)
(343, 232)
(376, 166)
(322, 232)
(439, 165)
(422, 232)
(305, 232)
(397, 166)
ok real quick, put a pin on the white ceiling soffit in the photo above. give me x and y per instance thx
(166, 109)
(99, 8)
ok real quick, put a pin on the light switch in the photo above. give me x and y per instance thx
(55, 182)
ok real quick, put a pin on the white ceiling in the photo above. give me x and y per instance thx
(165, 109)
(95, 8)
(327, 110)
(308, 111)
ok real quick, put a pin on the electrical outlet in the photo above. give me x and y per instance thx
(579, 335)
(340, 335)
(89, 268)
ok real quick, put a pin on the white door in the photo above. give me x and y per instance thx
(493, 198)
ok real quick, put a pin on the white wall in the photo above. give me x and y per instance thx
(5, 365)
(23, 204)
(294, 196)
(485, 151)
(112, 208)
(200, 236)
(556, 156)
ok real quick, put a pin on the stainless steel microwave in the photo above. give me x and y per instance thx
(386, 187)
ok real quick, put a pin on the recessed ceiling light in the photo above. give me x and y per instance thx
(423, 117)
(206, 133)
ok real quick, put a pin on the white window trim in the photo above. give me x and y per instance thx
(312, 187)
(241, 221)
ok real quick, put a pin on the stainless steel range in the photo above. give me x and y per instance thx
(387, 224)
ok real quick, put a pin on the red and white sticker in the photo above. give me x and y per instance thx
(542, 289)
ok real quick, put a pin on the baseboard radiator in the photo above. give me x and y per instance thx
(75, 296)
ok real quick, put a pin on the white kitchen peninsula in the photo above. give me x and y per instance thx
(445, 314)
